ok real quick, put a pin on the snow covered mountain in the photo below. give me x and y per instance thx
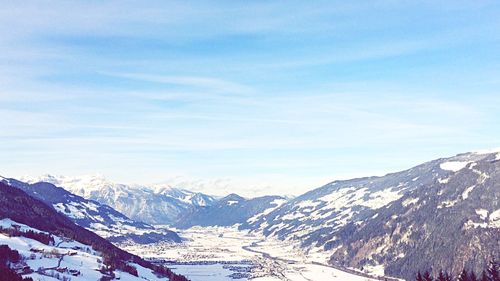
(99, 218)
(230, 210)
(50, 244)
(441, 214)
(150, 204)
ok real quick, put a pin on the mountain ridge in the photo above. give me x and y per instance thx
(150, 204)
(373, 223)
(92, 215)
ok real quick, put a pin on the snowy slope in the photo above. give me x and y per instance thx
(151, 204)
(65, 258)
(448, 207)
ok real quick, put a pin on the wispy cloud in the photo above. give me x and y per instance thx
(260, 93)
(206, 83)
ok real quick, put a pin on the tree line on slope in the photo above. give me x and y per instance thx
(491, 273)
(15, 231)
(8, 256)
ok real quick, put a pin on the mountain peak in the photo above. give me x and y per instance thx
(233, 197)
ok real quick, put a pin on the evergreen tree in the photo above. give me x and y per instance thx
(444, 276)
(427, 276)
(441, 276)
(493, 271)
(472, 276)
(464, 276)
(484, 276)
(419, 277)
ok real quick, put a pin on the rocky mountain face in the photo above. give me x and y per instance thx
(230, 210)
(152, 204)
(99, 218)
(443, 214)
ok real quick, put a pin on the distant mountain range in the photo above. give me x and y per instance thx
(150, 204)
(161, 205)
(443, 214)
(97, 217)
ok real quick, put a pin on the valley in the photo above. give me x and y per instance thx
(209, 253)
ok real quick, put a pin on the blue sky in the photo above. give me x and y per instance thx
(249, 96)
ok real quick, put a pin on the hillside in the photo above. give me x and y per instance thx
(58, 258)
(441, 214)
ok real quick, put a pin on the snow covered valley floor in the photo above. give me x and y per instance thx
(225, 254)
